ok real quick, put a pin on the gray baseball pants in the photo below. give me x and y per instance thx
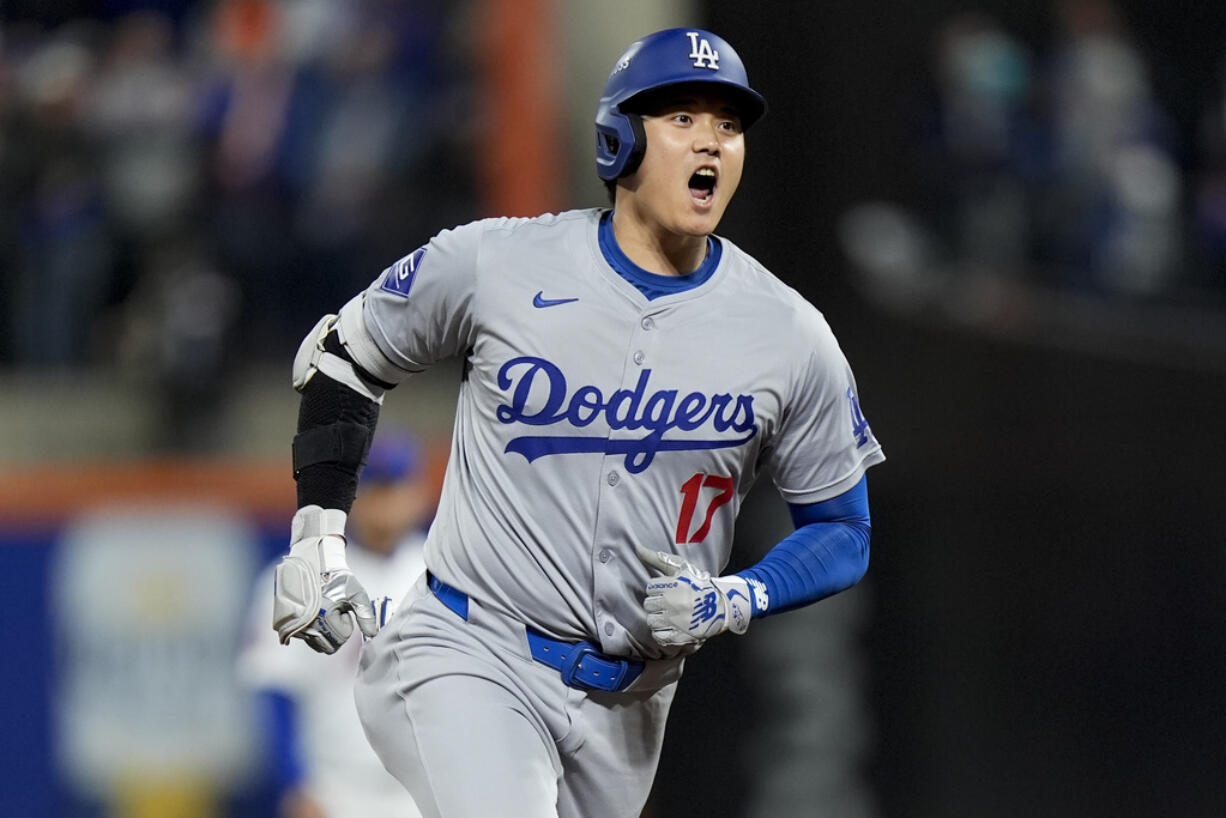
(461, 714)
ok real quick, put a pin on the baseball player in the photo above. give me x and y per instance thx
(320, 761)
(628, 375)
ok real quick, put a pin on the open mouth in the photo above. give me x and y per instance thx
(702, 184)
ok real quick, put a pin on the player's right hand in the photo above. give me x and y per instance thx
(316, 598)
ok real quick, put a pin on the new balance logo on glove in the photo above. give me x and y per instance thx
(686, 606)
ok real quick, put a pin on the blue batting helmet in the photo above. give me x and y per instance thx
(670, 57)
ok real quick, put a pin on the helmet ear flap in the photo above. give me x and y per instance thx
(638, 146)
(620, 143)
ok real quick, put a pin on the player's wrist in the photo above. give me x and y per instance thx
(738, 600)
(314, 521)
(317, 535)
(759, 595)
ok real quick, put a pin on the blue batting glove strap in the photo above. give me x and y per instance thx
(759, 596)
(383, 608)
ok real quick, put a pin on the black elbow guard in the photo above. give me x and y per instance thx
(335, 428)
(345, 444)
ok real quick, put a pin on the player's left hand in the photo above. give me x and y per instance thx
(686, 605)
(316, 598)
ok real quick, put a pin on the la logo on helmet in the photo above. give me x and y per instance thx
(701, 52)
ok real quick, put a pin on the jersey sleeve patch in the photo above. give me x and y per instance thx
(398, 279)
(859, 425)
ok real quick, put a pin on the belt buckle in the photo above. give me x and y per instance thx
(571, 666)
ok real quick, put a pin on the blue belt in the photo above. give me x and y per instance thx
(581, 664)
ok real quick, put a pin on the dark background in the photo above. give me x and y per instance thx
(1048, 633)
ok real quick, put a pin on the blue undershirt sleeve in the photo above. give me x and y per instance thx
(827, 553)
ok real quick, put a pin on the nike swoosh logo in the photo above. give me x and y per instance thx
(540, 301)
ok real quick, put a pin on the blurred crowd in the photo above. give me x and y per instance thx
(188, 186)
(1055, 159)
(1065, 163)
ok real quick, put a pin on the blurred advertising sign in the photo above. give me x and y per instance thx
(148, 605)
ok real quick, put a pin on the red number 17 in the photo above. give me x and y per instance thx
(690, 489)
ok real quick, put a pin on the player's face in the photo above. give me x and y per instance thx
(695, 155)
(383, 513)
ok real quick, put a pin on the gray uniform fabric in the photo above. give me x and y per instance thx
(589, 419)
(472, 726)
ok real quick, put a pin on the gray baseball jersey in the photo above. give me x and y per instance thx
(591, 418)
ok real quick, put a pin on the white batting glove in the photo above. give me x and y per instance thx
(686, 605)
(316, 598)
(383, 608)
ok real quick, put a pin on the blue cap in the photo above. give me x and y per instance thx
(393, 456)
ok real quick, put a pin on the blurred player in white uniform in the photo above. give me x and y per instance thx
(322, 764)
(628, 375)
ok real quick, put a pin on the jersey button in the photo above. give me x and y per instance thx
(614, 477)
(605, 555)
(648, 323)
(608, 629)
(639, 357)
